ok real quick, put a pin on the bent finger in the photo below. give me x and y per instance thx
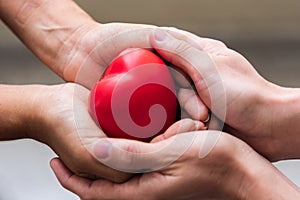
(182, 126)
(193, 105)
(197, 64)
(139, 157)
(68, 180)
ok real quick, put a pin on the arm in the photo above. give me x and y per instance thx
(44, 26)
(15, 109)
(284, 121)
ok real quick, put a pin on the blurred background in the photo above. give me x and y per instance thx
(266, 32)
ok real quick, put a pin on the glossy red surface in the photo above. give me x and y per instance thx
(136, 97)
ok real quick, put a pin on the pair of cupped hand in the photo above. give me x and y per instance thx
(184, 161)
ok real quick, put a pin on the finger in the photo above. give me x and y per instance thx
(102, 189)
(215, 124)
(67, 179)
(84, 188)
(192, 39)
(192, 104)
(181, 78)
(139, 157)
(197, 64)
(184, 114)
(182, 54)
(207, 44)
(136, 37)
(182, 126)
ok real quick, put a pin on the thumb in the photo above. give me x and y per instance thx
(198, 65)
(104, 44)
(139, 157)
(137, 36)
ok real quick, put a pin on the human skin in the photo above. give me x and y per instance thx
(69, 45)
(59, 51)
(66, 45)
(231, 170)
(263, 114)
(58, 116)
(75, 46)
(72, 46)
(46, 114)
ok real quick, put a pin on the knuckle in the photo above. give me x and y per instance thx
(132, 152)
(172, 28)
(220, 43)
(134, 160)
(216, 43)
(182, 48)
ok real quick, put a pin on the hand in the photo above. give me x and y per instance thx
(257, 111)
(82, 59)
(58, 116)
(61, 120)
(232, 170)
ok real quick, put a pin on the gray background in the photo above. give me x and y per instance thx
(267, 32)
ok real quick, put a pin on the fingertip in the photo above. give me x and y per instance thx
(200, 126)
(67, 179)
(182, 126)
(158, 138)
(204, 115)
(102, 149)
(55, 164)
(59, 169)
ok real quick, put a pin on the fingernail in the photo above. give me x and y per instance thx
(102, 149)
(199, 126)
(160, 35)
(207, 119)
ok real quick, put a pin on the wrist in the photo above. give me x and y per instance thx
(233, 174)
(52, 31)
(259, 179)
(248, 175)
(285, 124)
(275, 109)
(43, 104)
(17, 111)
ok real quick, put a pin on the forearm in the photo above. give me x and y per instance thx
(290, 116)
(44, 25)
(282, 109)
(257, 178)
(16, 103)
